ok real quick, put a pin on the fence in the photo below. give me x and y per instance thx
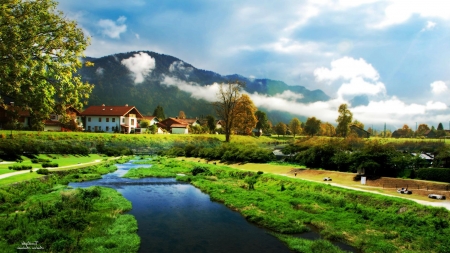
(418, 187)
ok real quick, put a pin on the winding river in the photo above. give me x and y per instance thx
(177, 217)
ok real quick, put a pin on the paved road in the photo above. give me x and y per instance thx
(34, 169)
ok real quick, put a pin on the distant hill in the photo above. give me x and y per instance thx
(114, 85)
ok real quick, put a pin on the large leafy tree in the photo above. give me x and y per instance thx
(245, 119)
(280, 128)
(211, 123)
(295, 126)
(344, 120)
(40, 51)
(225, 106)
(422, 129)
(326, 129)
(312, 126)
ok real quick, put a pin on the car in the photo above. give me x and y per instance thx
(404, 191)
(327, 179)
(436, 196)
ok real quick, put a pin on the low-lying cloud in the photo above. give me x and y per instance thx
(140, 65)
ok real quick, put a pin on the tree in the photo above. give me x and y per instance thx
(406, 131)
(326, 129)
(40, 53)
(358, 124)
(312, 126)
(440, 127)
(295, 126)
(211, 123)
(263, 122)
(440, 130)
(344, 119)
(245, 119)
(280, 128)
(227, 96)
(422, 129)
(181, 115)
(159, 113)
(145, 123)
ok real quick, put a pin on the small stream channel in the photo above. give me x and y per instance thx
(175, 216)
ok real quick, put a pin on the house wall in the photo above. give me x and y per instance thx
(109, 123)
(176, 130)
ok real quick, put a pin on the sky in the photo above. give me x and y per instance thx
(395, 52)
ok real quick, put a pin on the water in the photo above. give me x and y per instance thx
(177, 217)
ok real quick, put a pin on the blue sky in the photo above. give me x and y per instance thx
(394, 51)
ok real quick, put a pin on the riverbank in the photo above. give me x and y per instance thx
(288, 206)
(59, 219)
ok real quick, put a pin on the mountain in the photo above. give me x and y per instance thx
(115, 85)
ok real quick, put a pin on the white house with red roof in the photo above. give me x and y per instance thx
(174, 126)
(111, 118)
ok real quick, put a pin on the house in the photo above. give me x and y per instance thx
(191, 122)
(54, 123)
(111, 118)
(153, 121)
(7, 114)
(174, 126)
(359, 131)
(430, 134)
(220, 124)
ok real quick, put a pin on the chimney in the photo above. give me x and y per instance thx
(103, 104)
(126, 105)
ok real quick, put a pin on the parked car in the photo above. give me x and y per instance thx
(327, 179)
(404, 191)
(436, 196)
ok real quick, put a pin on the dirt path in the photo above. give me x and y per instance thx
(56, 168)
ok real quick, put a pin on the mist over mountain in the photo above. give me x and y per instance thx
(147, 79)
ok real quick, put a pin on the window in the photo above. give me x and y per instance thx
(89, 119)
(113, 119)
(107, 119)
(89, 128)
(107, 129)
(99, 119)
(132, 122)
(123, 120)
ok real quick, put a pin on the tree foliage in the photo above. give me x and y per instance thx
(145, 123)
(211, 123)
(245, 119)
(344, 120)
(295, 126)
(280, 128)
(327, 129)
(40, 53)
(263, 122)
(181, 115)
(225, 106)
(312, 126)
(422, 129)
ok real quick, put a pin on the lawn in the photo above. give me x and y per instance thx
(61, 160)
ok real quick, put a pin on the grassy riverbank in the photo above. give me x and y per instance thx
(66, 220)
(289, 206)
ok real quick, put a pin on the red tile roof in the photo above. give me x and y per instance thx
(110, 111)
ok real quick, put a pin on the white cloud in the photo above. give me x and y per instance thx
(289, 95)
(99, 71)
(399, 11)
(208, 92)
(438, 87)
(140, 65)
(430, 25)
(435, 106)
(178, 66)
(357, 86)
(346, 68)
(111, 28)
(289, 46)
(137, 36)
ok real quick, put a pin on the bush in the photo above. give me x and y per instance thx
(47, 164)
(43, 171)
(20, 167)
(434, 174)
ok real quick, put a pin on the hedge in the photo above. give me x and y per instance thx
(434, 174)
(45, 165)
(20, 167)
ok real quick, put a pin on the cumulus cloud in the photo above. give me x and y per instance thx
(140, 65)
(438, 87)
(289, 95)
(399, 11)
(111, 28)
(431, 106)
(357, 86)
(346, 68)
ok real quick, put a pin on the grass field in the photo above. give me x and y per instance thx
(61, 160)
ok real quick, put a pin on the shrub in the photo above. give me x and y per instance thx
(47, 164)
(434, 174)
(43, 171)
(20, 167)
